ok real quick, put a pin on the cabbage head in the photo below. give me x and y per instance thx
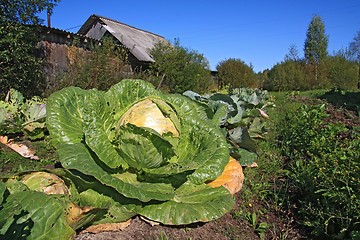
(135, 150)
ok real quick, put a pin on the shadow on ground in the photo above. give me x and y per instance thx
(346, 99)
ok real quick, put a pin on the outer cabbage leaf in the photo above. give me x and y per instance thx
(192, 203)
(79, 157)
(116, 212)
(24, 217)
(65, 111)
(2, 191)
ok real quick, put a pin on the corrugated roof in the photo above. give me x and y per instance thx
(60, 31)
(138, 41)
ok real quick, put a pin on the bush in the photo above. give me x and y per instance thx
(334, 71)
(343, 74)
(99, 67)
(19, 68)
(178, 69)
(236, 73)
(288, 75)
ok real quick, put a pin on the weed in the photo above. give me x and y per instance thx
(323, 171)
(259, 227)
(162, 235)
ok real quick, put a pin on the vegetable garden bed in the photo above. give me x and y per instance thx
(262, 209)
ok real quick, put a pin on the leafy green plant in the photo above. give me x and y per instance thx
(17, 115)
(259, 227)
(20, 68)
(22, 217)
(241, 116)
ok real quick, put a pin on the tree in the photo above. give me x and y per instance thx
(316, 43)
(19, 68)
(354, 50)
(179, 69)
(293, 54)
(342, 73)
(236, 73)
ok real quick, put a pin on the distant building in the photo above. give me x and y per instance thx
(137, 41)
(55, 44)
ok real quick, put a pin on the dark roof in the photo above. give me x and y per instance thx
(138, 41)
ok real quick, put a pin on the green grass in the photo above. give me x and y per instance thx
(11, 162)
(308, 168)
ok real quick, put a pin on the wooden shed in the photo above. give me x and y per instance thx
(137, 41)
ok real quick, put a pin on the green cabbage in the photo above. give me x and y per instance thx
(158, 170)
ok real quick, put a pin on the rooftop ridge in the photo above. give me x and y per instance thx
(112, 20)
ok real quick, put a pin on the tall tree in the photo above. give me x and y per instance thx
(19, 68)
(316, 43)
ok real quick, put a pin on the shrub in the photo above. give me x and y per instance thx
(178, 69)
(236, 73)
(99, 67)
(343, 74)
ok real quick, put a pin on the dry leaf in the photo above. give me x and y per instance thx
(19, 148)
(232, 177)
(107, 227)
(263, 113)
(253, 165)
(152, 223)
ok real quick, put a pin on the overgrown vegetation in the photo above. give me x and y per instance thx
(323, 164)
(100, 66)
(19, 68)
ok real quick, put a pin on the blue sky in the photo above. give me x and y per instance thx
(257, 32)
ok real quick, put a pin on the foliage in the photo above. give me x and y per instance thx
(241, 116)
(332, 71)
(236, 73)
(25, 11)
(354, 48)
(293, 54)
(343, 74)
(19, 68)
(259, 227)
(178, 69)
(22, 217)
(111, 140)
(323, 171)
(316, 43)
(288, 75)
(17, 115)
(101, 66)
